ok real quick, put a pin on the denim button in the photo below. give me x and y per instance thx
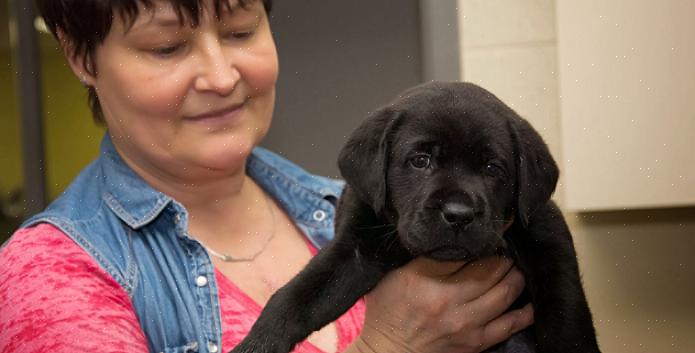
(177, 218)
(191, 347)
(201, 281)
(212, 347)
(319, 215)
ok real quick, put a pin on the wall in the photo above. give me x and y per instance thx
(71, 138)
(338, 62)
(10, 162)
(637, 266)
(627, 81)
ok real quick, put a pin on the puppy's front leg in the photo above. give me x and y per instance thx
(563, 320)
(326, 288)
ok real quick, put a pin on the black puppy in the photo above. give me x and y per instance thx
(440, 172)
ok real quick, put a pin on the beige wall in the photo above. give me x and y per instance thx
(627, 81)
(638, 267)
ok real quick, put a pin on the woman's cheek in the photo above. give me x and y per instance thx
(160, 96)
(262, 70)
(151, 88)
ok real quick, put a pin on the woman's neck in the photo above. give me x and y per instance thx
(207, 196)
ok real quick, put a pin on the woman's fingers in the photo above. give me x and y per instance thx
(499, 298)
(480, 276)
(503, 327)
(433, 306)
(427, 267)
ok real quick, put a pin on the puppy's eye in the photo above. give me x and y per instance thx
(494, 170)
(421, 161)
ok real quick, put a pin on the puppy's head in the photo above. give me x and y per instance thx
(450, 165)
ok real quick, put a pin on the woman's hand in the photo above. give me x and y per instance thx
(430, 306)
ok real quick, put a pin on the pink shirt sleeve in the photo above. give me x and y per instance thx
(55, 298)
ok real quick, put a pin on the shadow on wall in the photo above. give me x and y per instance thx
(639, 255)
(639, 274)
(637, 217)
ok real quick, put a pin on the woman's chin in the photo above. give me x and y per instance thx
(225, 159)
(214, 155)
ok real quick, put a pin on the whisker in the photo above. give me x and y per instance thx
(376, 227)
(499, 220)
(389, 241)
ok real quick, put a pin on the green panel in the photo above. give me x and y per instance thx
(71, 137)
(10, 161)
(10, 150)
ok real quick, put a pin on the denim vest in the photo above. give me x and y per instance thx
(139, 236)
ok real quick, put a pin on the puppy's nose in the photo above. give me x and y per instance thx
(457, 214)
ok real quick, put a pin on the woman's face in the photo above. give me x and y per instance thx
(188, 102)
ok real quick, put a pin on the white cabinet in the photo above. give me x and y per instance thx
(627, 88)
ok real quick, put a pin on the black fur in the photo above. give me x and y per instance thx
(439, 173)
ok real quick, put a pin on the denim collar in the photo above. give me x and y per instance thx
(137, 204)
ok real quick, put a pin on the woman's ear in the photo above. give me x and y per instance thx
(80, 63)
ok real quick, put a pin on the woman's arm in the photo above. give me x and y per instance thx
(55, 298)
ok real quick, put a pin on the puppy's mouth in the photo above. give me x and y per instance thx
(451, 253)
(450, 245)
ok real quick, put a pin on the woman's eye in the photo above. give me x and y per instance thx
(420, 161)
(240, 34)
(167, 51)
(494, 170)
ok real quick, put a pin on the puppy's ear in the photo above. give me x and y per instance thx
(363, 161)
(537, 172)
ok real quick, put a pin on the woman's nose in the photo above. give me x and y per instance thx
(217, 72)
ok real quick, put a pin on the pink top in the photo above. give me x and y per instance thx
(55, 298)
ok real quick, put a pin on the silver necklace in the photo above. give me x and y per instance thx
(229, 258)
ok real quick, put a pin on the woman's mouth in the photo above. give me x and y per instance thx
(218, 117)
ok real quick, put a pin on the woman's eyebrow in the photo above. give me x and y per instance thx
(155, 21)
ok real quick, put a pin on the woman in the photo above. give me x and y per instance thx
(175, 237)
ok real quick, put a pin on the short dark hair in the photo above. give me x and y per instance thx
(85, 24)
